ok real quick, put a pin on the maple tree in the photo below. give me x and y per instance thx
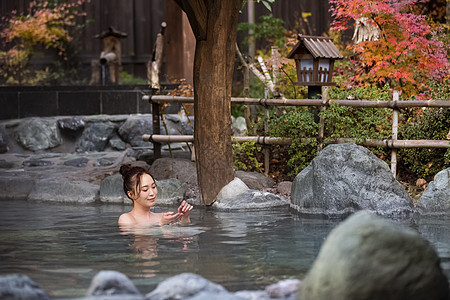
(408, 53)
(45, 25)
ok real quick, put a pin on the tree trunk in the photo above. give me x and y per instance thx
(213, 73)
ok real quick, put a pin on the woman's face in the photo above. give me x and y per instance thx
(146, 196)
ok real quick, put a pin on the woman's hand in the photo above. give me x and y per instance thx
(184, 210)
(169, 217)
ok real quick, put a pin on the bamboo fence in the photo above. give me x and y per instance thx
(391, 143)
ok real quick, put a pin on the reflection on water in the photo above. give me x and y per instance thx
(61, 247)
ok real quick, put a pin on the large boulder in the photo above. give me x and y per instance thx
(134, 127)
(14, 187)
(182, 169)
(63, 190)
(38, 134)
(170, 191)
(368, 257)
(237, 196)
(112, 283)
(95, 136)
(435, 200)
(183, 286)
(255, 180)
(16, 287)
(111, 190)
(345, 178)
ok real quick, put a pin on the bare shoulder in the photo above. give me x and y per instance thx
(126, 219)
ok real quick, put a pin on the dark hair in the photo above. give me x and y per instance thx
(132, 177)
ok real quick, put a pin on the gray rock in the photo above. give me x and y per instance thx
(112, 283)
(72, 124)
(182, 169)
(283, 289)
(37, 163)
(111, 190)
(232, 190)
(104, 161)
(346, 178)
(368, 257)
(38, 134)
(16, 287)
(183, 286)
(251, 199)
(63, 190)
(117, 144)
(4, 140)
(255, 180)
(435, 200)
(134, 127)
(95, 137)
(284, 188)
(215, 296)
(12, 188)
(253, 295)
(178, 124)
(6, 164)
(77, 162)
(170, 191)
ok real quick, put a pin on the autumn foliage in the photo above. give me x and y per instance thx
(408, 53)
(45, 26)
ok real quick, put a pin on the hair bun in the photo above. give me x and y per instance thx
(124, 169)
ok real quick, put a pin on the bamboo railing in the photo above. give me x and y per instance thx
(392, 143)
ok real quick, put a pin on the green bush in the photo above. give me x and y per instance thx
(244, 156)
(296, 123)
(425, 124)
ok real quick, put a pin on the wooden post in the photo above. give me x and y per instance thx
(156, 129)
(322, 119)
(266, 133)
(214, 24)
(394, 134)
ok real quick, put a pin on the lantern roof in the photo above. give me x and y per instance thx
(317, 46)
(111, 32)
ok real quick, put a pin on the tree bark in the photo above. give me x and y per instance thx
(213, 73)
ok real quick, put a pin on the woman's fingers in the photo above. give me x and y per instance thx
(185, 207)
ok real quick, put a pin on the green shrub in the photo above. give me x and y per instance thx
(296, 123)
(425, 124)
(244, 156)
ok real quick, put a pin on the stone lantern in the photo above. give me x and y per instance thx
(314, 60)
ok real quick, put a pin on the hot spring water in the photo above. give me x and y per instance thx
(62, 247)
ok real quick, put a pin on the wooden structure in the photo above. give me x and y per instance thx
(314, 60)
(110, 57)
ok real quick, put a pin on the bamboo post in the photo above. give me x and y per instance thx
(246, 92)
(322, 119)
(275, 70)
(394, 134)
(266, 132)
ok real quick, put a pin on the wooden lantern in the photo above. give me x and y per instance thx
(314, 59)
